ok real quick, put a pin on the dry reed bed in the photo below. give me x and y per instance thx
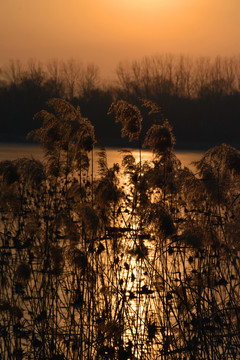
(145, 268)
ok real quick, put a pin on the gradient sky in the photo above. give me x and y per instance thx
(108, 31)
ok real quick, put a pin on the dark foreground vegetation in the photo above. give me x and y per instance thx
(200, 96)
(140, 263)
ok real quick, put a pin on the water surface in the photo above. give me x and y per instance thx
(15, 151)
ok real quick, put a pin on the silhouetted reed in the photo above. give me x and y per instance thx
(141, 262)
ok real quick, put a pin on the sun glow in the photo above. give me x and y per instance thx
(149, 10)
(151, 5)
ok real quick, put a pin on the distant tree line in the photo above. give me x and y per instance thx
(199, 96)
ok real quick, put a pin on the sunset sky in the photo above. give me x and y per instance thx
(108, 31)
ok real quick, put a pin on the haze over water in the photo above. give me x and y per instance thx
(14, 151)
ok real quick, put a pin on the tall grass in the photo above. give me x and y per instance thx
(139, 263)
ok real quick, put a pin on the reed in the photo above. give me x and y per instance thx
(141, 262)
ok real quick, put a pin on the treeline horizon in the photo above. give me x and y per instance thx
(199, 96)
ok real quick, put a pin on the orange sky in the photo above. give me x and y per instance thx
(108, 31)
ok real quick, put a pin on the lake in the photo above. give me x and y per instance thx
(14, 151)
